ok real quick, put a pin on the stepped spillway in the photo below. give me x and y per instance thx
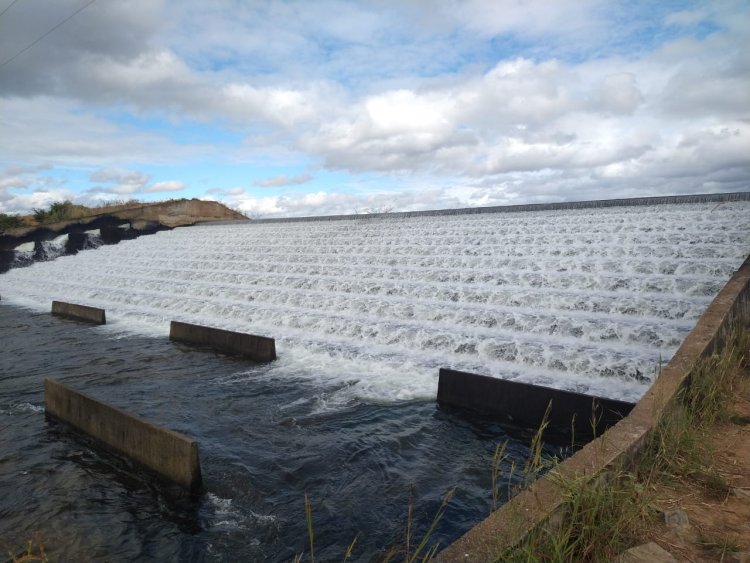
(590, 300)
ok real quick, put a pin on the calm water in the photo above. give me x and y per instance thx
(264, 443)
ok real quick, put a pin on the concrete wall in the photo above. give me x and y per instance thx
(523, 404)
(258, 348)
(628, 202)
(79, 312)
(544, 501)
(168, 453)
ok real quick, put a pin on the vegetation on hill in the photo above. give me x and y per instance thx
(9, 222)
(58, 211)
(67, 211)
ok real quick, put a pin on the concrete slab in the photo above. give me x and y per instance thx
(257, 348)
(170, 454)
(524, 404)
(79, 312)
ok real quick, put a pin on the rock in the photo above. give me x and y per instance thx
(646, 553)
(676, 518)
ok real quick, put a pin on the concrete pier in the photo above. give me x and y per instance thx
(523, 404)
(79, 312)
(170, 454)
(258, 348)
(6, 259)
(76, 242)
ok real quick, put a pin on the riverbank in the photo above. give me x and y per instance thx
(684, 499)
(710, 509)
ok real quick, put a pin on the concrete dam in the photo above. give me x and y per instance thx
(365, 311)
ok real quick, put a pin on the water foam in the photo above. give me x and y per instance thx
(588, 300)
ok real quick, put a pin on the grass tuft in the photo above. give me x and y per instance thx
(720, 546)
(606, 516)
(32, 553)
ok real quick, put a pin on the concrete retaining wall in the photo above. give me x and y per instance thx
(258, 348)
(79, 312)
(523, 404)
(544, 501)
(168, 453)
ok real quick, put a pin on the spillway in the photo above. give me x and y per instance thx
(588, 300)
(364, 310)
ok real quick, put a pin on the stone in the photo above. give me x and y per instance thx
(676, 518)
(646, 553)
(741, 557)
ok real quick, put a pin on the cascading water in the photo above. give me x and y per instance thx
(588, 300)
(365, 311)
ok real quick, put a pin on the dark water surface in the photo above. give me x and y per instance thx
(264, 443)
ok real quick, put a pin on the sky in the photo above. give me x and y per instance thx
(293, 108)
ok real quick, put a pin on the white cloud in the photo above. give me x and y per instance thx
(620, 94)
(13, 182)
(283, 180)
(118, 181)
(464, 102)
(46, 132)
(41, 198)
(166, 186)
(119, 176)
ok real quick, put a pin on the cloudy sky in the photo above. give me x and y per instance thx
(284, 108)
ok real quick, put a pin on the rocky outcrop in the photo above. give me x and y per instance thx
(117, 225)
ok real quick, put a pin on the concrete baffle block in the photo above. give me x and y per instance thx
(79, 312)
(258, 348)
(166, 452)
(524, 404)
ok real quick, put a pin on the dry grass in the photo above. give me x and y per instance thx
(606, 516)
(33, 552)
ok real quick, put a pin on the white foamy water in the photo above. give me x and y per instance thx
(588, 300)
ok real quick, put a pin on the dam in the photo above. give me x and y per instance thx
(365, 311)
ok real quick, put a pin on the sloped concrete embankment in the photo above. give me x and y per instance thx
(544, 501)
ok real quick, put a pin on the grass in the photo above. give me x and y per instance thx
(719, 546)
(599, 523)
(9, 222)
(411, 551)
(605, 516)
(67, 210)
(32, 553)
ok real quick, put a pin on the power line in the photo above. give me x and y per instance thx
(22, 51)
(8, 7)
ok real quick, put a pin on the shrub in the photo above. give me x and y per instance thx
(9, 222)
